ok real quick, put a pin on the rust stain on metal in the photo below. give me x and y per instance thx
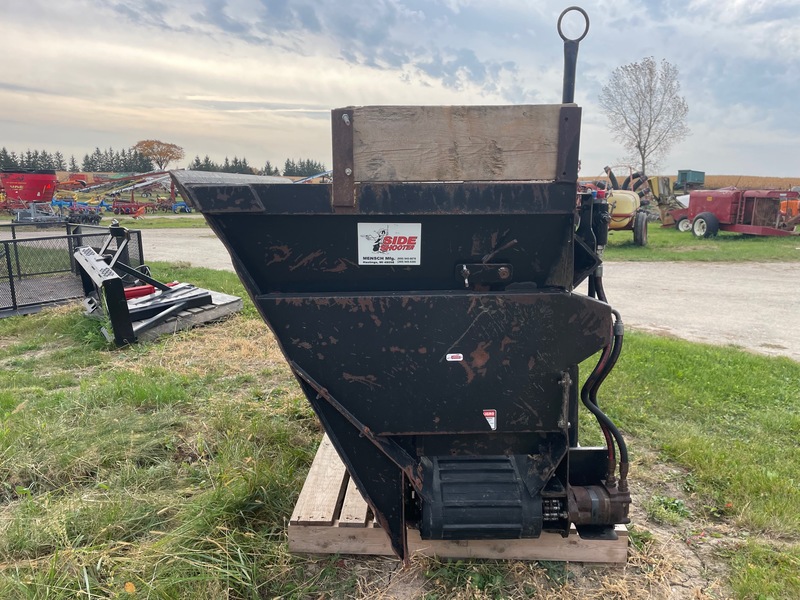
(376, 320)
(341, 265)
(368, 380)
(366, 305)
(470, 373)
(279, 254)
(505, 342)
(306, 260)
(422, 350)
(480, 356)
(342, 302)
(397, 349)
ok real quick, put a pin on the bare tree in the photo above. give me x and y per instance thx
(645, 110)
(161, 153)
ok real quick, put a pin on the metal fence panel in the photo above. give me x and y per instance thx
(37, 265)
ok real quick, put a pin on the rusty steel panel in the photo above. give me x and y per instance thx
(393, 361)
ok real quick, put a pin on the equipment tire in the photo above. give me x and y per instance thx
(640, 228)
(683, 224)
(705, 225)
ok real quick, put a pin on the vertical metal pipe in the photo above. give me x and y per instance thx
(11, 287)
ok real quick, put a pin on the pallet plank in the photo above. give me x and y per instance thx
(373, 541)
(354, 509)
(331, 516)
(323, 489)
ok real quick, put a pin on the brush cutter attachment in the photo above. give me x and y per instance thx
(425, 302)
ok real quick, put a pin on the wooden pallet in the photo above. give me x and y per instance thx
(332, 517)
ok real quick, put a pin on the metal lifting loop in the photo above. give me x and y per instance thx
(571, 55)
(561, 17)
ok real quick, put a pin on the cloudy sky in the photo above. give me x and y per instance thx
(257, 78)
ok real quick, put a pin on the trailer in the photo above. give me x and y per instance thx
(751, 212)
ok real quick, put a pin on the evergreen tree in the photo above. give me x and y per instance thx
(58, 162)
(304, 167)
(73, 165)
(5, 159)
(270, 170)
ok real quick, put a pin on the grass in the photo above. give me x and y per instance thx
(669, 244)
(157, 221)
(154, 221)
(169, 470)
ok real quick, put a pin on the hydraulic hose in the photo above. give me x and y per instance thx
(628, 180)
(612, 178)
(607, 361)
(612, 361)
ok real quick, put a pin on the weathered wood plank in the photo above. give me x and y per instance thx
(322, 490)
(455, 143)
(354, 509)
(316, 527)
(373, 541)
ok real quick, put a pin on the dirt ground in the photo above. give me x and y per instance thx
(751, 305)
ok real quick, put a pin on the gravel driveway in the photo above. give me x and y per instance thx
(752, 305)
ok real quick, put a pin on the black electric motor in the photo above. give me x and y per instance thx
(425, 300)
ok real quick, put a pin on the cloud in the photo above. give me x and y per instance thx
(225, 76)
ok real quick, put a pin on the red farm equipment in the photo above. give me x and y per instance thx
(752, 212)
(23, 186)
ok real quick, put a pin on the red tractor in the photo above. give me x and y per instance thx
(753, 212)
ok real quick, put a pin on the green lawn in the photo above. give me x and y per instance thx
(667, 243)
(169, 470)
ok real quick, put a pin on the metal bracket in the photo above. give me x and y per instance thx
(344, 200)
(480, 273)
(569, 142)
(391, 449)
(99, 279)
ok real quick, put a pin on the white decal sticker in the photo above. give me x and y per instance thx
(454, 357)
(389, 243)
(490, 415)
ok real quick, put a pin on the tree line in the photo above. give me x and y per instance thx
(132, 160)
(291, 168)
(120, 161)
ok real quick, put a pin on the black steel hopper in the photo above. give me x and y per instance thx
(433, 324)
